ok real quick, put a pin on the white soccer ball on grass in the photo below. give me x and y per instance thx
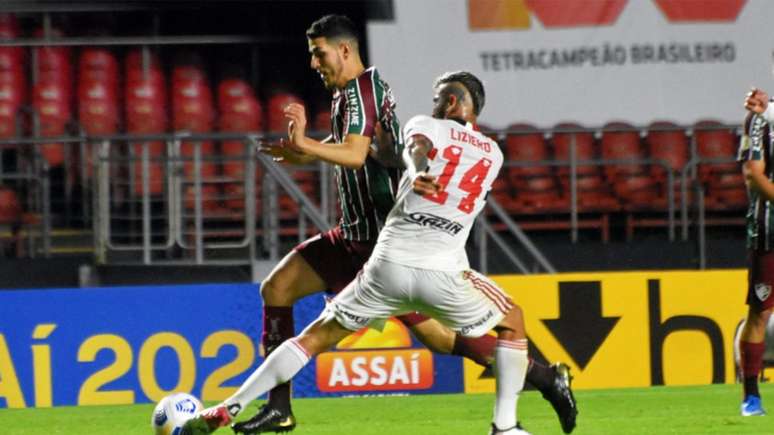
(173, 411)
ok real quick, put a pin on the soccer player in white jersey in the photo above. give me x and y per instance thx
(419, 262)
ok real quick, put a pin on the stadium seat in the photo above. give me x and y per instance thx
(97, 107)
(621, 141)
(594, 193)
(528, 146)
(666, 141)
(723, 181)
(715, 142)
(156, 152)
(277, 123)
(239, 109)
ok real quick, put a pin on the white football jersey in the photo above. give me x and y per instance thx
(430, 231)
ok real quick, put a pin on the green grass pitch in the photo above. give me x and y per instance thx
(661, 410)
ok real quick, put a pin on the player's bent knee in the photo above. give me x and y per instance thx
(513, 321)
(275, 293)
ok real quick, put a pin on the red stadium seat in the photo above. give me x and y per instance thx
(97, 107)
(712, 142)
(584, 149)
(668, 143)
(8, 124)
(594, 193)
(10, 208)
(277, 123)
(723, 181)
(156, 151)
(621, 141)
(526, 147)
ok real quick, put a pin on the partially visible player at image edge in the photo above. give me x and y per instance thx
(755, 154)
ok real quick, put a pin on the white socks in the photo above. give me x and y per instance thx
(510, 369)
(287, 360)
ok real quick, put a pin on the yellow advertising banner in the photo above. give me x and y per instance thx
(629, 329)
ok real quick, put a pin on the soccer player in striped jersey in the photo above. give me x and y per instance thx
(756, 154)
(419, 262)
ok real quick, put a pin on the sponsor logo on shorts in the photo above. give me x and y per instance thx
(435, 222)
(763, 291)
(359, 320)
(466, 329)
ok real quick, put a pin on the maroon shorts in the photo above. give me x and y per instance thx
(760, 280)
(338, 260)
(335, 259)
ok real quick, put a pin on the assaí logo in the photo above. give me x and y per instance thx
(518, 14)
(369, 360)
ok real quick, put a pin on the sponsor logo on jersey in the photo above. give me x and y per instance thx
(353, 103)
(763, 291)
(375, 370)
(435, 222)
(468, 328)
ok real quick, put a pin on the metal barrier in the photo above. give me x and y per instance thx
(156, 199)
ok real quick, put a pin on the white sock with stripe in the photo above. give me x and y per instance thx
(287, 360)
(511, 364)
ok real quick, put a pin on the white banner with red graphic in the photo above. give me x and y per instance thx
(587, 61)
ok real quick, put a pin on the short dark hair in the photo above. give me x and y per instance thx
(471, 83)
(333, 27)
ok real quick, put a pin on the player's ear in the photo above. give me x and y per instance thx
(451, 103)
(345, 48)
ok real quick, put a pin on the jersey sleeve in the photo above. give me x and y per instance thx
(421, 124)
(360, 113)
(751, 140)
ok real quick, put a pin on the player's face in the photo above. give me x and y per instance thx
(326, 60)
(440, 101)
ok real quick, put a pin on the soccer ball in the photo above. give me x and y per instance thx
(173, 411)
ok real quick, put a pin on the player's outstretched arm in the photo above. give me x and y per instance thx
(755, 176)
(352, 152)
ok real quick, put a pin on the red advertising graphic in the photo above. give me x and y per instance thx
(706, 10)
(369, 360)
(576, 13)
(516, 14)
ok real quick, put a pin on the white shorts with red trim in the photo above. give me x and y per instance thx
(465, 301)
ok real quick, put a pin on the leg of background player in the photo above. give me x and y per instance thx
(752, 346)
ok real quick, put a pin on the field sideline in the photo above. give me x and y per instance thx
(671, 410)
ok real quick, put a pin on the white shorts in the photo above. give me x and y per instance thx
(467, 302)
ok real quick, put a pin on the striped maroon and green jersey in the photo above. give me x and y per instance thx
(365, 106)
(756, 145)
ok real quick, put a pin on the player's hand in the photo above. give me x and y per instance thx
(280, 151)
(297, 128)
(757, 100)
(425, 184)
